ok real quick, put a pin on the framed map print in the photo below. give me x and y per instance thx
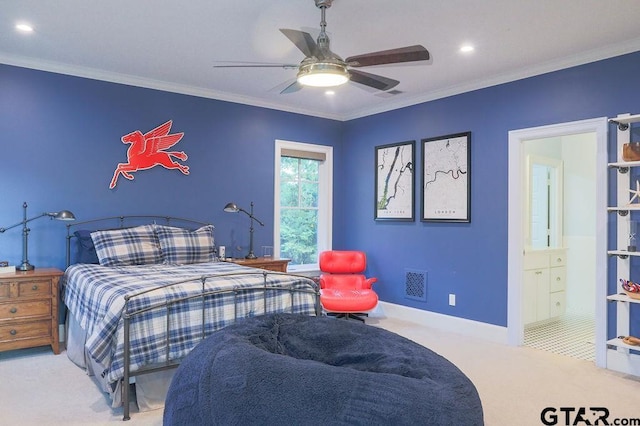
(394, 174)
(446, 173)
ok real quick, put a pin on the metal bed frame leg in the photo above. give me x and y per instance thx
(125, 380)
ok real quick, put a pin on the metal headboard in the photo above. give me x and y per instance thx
(127, 221)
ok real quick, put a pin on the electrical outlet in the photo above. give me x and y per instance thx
(452, 300)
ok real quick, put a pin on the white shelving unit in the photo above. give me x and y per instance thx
(620, 356)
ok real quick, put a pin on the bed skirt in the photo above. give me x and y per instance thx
(150, 389)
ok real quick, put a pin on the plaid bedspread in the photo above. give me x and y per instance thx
(95, 296)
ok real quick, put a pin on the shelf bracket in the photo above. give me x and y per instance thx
(621, 256)
(621, 169)
(621, 126)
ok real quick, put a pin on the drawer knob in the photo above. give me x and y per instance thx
(559, 260)
(13, 310)
(13, 332)
(34, 288)
(558, 304)
(558, 279)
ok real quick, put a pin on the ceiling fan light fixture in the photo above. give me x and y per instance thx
(323, 74)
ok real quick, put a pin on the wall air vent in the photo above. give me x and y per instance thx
(416, 284)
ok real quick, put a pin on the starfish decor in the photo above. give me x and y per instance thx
(636, 193)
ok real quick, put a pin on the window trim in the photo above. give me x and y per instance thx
(325, 214)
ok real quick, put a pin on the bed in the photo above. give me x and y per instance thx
(140, 296)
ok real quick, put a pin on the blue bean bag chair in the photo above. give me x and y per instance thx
(288, 369)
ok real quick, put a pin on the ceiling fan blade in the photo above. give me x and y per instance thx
(293, 87)
(392, 56)
(372, 80)
(302, 40)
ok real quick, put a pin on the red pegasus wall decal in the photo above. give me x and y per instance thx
(148, 150)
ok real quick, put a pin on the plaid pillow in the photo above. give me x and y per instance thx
(182, 246)
(130, 246)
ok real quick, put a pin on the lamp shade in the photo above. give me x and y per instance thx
(231, 208)
(63, 215)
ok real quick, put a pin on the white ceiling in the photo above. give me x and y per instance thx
(173, 45)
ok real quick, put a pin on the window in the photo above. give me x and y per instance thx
(302, 202)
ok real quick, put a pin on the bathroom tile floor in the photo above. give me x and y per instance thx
(571, 335)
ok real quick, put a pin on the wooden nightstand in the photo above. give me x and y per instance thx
(29, 309)
(269, 263)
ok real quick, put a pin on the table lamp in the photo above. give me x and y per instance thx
(233, 208)
(61, 215)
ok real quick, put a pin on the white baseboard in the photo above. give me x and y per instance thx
(490, 332)
(443, 322)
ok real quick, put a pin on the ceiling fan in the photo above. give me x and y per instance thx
(323, 68)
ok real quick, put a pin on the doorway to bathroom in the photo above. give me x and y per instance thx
(555, 261)
(559, 245)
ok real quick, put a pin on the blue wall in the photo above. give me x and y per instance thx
(61, 142)
(469, 259)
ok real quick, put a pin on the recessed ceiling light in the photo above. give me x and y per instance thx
(330, 92)
(25, 28)
(467, 48)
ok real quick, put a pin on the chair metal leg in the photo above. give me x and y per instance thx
(356, 317)
(348, 316)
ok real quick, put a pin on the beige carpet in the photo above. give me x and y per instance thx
(515, 384)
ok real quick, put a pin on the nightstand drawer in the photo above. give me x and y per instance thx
(24, 288)
(18, 310)
(25, 330)
(34, 288)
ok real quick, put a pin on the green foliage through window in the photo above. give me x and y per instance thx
(299, 186)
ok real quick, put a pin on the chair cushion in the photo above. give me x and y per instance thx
(343, 262)
(347, 281)
(345, 300)
(294, 369)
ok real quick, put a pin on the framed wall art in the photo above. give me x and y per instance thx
(394, 186)
(446, 178)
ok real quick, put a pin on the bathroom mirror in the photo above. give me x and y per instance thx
(544, 192)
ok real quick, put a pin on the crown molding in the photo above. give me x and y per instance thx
(525, 72)
(544, 68)
(130, 80)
